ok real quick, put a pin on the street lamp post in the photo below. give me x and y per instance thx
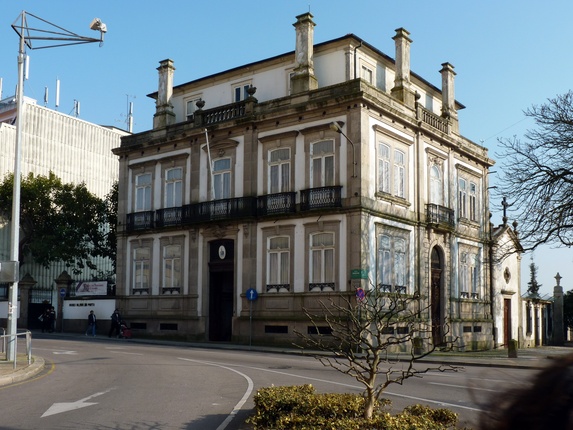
(27, 35)
(334, 126)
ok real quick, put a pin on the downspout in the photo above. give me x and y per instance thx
(355, 49)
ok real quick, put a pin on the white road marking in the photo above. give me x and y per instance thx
(58, 408)
(358, 387)
(65, 352)
(241, 402)
(462, 386)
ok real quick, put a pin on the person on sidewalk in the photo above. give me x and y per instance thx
(91, 330)
(115, 323)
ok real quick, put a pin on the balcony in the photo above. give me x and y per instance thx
(168, 217)
(276, 204)
(321, 198)
(140, 220)
(440, 216)
(216, 210)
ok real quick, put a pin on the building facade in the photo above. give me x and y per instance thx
(74, 150)
(299, 177)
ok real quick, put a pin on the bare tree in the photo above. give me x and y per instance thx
(537, 175)
(363, 338)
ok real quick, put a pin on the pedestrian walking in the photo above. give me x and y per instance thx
(91, 330)
(115, 323)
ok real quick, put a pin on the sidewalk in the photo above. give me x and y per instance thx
(530, 358)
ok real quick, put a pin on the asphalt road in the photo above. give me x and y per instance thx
(113, 384)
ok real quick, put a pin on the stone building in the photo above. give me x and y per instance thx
(301, 176)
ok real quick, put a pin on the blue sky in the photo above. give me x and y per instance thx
(507, 55)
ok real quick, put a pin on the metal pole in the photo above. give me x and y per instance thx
(15, 225)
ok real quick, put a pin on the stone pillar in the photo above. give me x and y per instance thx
(402, 86)
(303, 78)
(448, 95)
(164, 114)
(558, 320)
(24, 286)
(62, 281)
(448, 91)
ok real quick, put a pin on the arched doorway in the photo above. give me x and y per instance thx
(437, 268)
(221, 289)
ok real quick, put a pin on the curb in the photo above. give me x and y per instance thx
(24, 372)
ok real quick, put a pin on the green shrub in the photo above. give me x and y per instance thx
(300, 408)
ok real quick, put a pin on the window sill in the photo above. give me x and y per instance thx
(400, 201)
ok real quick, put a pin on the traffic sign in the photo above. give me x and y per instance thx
(252, 295)
(63, 292)
(360, 294)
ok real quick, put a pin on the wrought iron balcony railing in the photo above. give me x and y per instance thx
(140, 220)
(241, 207)
(276, 204)
(168, 217)
(323, 197)
(440, 215)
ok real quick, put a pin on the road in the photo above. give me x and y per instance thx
(114, 384)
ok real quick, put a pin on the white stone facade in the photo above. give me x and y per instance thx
(293, 206)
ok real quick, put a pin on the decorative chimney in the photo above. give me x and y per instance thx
(303, 78)
(164, 114)
(402, 86)
(448, 92)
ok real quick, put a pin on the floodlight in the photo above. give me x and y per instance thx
(97, 25)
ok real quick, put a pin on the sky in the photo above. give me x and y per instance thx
(508, 56)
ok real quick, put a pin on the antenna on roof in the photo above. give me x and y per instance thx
(1, 88)
(45, 96)
(57, 93)
(129, 114)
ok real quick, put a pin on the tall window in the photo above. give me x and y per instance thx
(174, 187)
(279, 261)
(172, 268)
(383, 168)
(399, 173)
(469, 275)
(279, 170)
(222, 178)
(322, 258)
(464, 275)
(462, 198)
(436, 187)
(384, 276)
(392, 273)
(473, 201)
(468, 203)
(141, 270)
(143, 192)
(391, 170)
(322, 164)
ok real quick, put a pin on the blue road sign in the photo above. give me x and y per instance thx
(252, 295)
(360, 294)
(62, 292)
